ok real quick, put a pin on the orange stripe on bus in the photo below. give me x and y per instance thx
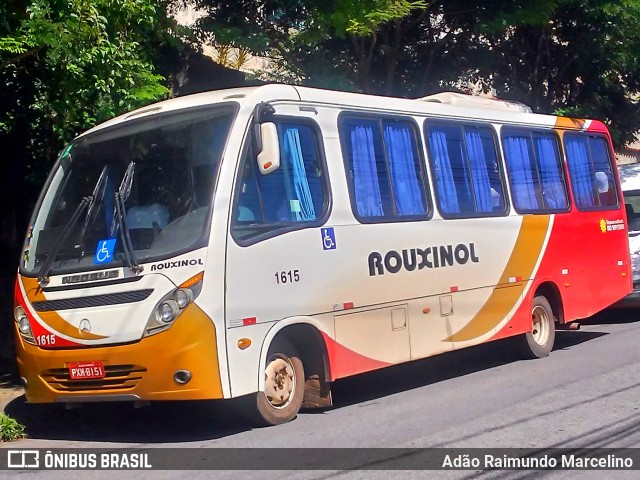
(53, 319)
(572, 123)
(533, 232)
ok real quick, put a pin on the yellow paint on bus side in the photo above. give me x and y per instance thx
(525, 255)
(570, 123)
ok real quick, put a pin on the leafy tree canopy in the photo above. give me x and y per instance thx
(570, 57)
(577, 57)
(67, 64)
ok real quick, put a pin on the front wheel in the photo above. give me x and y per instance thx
(539, 342)
(283, 392)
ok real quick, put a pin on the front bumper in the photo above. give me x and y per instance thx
(138, 371)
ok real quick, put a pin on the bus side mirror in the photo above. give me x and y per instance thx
(268, 147)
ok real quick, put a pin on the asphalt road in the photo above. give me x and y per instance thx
(585, 394)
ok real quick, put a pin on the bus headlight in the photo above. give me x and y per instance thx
(19, 314)
(167, 312)
(172, 305)
(24, 327)
(22, 320)
(181, 296)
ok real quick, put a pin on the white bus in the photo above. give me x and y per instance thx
(263, 242)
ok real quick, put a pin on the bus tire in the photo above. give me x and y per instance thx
(539, 342)
(283, 392)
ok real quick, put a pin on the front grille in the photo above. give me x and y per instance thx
(116, 377)
(93, 301)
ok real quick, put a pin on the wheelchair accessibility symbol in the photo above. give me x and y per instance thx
(104, 251)
(328, 238)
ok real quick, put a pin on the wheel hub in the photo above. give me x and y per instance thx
(279, 382)
(540, 325)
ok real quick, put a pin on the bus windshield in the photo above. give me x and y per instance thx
(139, 191)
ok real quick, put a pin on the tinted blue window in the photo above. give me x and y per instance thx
(385, 173)
(535, 171)
(592, 179)
(292, 194)
(466, 170)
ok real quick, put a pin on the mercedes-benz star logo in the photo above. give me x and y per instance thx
(85, 326)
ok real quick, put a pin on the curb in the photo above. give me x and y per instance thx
(8, 394)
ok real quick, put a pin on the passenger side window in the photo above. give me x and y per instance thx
(384, 169)
(590, 171)
(289, 197)
(466, 170)
(535, 171)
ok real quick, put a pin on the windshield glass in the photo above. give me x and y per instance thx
(162, 169)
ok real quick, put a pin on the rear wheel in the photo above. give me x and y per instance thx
(539, 342)
(283, 392)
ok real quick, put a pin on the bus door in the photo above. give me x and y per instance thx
(275, 268)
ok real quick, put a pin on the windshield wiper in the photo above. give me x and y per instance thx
(123, 190)
(95, 198)
(43, 278)
(121, 218)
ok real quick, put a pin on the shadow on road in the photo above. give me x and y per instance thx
(613, 316)
(369, 386)
(169, 422)
(160, 422)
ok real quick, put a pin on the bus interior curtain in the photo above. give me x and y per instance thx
(402, 166)
(447, 195)
(293, 153)
(521, 173)
(581, 178)
(552, 185)
(365, 174)
(479, 174)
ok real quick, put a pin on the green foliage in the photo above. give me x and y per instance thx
(92, 56)
(495, 16)
(74, 63)
(366, 21)
(10, 429)
(354, 45)
(578, 57)
(363, 18)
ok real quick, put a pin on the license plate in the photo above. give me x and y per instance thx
(85, 370)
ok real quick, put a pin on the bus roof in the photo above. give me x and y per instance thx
(446, 104)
